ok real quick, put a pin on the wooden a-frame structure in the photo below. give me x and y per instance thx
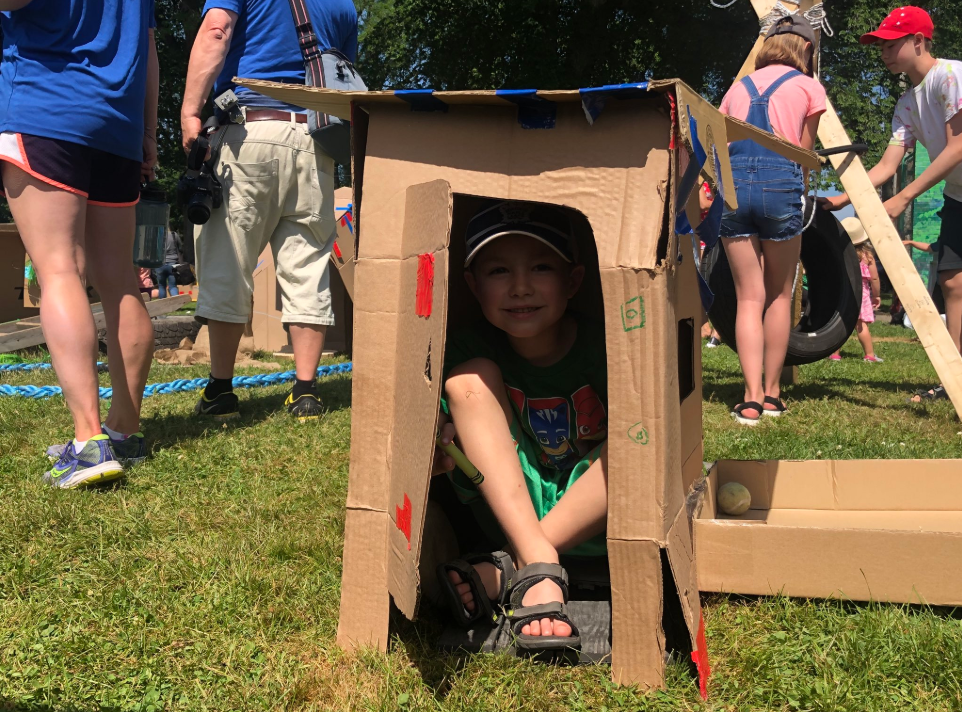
(881, 231)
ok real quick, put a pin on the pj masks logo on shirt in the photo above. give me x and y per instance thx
(550, 422)
(591, 420)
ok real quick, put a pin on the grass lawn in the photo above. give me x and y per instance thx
(210, 580)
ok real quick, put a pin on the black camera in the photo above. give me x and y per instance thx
(198, 190)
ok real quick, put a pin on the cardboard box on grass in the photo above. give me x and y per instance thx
(619, 158)
(880, 530)
(267, 329)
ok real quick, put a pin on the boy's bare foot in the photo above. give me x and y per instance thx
(490, 577)
(544, 592)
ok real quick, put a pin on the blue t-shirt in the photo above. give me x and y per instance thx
(264, 43)
(76, 70)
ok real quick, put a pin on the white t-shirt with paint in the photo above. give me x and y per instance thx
(923, 111)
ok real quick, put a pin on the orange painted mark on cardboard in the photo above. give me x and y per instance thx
(700, 657)
(425, 292)
(402, 518)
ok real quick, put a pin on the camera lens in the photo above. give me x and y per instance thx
(198, 208)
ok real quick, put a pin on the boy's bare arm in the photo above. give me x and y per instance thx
(944, 164)
(922, 246)
(878, 174)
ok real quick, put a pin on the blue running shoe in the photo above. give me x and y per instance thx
(132, 450)
(94, 464)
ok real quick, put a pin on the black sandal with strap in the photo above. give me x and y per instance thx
(485, 609)
(777, 410)
(748, 405)
(520, 615)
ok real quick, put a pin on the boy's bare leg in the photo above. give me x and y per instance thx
(482, 416)
(583, 510)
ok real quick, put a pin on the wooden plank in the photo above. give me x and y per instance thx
(34, 336)
(898, 265)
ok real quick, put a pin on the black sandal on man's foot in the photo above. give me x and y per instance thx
(932, 394)
(777, 410)
(520, 615)
(747, 419)
(485, 609)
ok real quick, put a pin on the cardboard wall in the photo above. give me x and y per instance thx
(12, 255)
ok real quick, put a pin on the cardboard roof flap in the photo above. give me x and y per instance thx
(712, 130)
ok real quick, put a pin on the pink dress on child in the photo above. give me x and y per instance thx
(868, 313)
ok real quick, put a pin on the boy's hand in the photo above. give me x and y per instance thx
(442, 461)
(896, 205)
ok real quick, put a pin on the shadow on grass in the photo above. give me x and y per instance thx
(14, 706)
(844, 606)
(167, 429)
(420, 639)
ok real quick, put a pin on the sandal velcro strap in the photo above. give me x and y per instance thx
(533, 574)
(556, 611)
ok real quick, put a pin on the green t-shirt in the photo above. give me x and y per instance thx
(562, 407)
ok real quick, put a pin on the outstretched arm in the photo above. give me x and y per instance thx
(206, 62)
(878, 174)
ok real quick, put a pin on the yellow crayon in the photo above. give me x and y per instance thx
(463, 463)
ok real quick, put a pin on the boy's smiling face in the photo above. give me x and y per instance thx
(523, 285)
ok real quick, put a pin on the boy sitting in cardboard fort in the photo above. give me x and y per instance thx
(527, 392)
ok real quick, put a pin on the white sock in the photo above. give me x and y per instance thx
(113, 434)
(79, 445)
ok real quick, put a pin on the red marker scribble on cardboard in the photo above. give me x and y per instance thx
(700, 658)
(425, 292)
(402, 518)
(337, 251)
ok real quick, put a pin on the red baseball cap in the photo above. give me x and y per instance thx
(901, 21)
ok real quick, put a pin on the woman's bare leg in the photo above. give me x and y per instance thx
(51, 225)
(130, 335)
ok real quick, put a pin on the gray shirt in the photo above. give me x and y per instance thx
(171, 249)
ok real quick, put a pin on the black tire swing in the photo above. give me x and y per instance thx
(834, 292)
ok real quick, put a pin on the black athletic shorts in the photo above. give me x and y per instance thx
(103, 178)
(950, 236)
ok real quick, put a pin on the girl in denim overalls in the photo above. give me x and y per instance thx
(761, 237)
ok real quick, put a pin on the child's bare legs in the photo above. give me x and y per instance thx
(51, 225)
(482, 416)
(951, 281)
(865, 339)
(130, 335)
(583, 510)
(781, 261)
(744, 256)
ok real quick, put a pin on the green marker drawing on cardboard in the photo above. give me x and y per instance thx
(633, 314)
(461, 460)
(638, 434)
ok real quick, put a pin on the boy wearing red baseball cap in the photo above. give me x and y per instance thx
(931, 113)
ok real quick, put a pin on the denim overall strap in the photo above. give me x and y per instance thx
(758, 116)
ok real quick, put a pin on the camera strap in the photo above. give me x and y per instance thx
(310, 52)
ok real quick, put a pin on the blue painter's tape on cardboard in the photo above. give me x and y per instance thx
(421, 99)
(593, 99)
(534, 112)
(700, 155)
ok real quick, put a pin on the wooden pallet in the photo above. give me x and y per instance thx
(23, 334)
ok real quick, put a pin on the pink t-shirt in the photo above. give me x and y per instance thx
(790, 105)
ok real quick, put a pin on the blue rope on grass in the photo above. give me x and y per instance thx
(7, 367)
(181, 385)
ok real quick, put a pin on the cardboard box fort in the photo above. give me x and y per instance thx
(618, 158)
(267, 329)
(880, 530)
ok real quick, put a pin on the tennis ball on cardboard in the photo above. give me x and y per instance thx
(734, 499)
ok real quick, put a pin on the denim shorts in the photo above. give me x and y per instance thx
(769, 193)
